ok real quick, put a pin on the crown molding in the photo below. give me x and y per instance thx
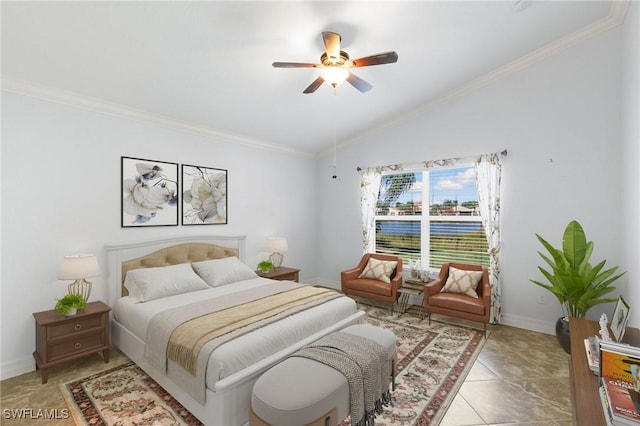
(616, 17)
(101, 106)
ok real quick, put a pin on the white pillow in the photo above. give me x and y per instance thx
(217, 272)
(380, 270)
(154, 283)
(463, 282)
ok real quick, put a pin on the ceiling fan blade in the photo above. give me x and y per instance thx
(314, 86)
(379, 59)
(359, 83)
(293, 65)
(331, 44)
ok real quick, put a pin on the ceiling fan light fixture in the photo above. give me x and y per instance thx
(334, 75)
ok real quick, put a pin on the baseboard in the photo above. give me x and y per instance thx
(16, 368)
(529, 324)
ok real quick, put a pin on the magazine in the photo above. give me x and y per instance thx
(620, 379)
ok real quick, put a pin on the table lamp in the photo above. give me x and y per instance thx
(78, 267)
(276, 246)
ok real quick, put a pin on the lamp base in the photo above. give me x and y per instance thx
(276, 258)
(81, 287)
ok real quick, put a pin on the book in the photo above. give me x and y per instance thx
(592, 351)
(620, 380)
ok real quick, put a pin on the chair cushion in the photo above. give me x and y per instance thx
(379, 270)
(458, 302)
(462, 282)
(369, 286)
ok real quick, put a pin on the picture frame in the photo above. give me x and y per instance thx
(620, 319)
(149, 193)
(204, 195)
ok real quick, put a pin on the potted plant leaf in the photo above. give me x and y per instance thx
(69, 304)
(265, 266)
(576, 284)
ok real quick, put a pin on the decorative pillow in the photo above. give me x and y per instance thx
(154, 283)
(463, 282)
(217, 272)
(380, 270)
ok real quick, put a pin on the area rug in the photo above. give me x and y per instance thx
(433, 361)
(123, 395)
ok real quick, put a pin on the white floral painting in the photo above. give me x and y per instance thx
(149, 193)
(204, 195)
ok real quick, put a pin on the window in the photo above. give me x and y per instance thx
(450, 229)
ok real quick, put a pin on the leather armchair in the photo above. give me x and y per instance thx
(459, 305)
(371, 288)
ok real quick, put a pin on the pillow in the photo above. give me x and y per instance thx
(463, 282)
(380, 270)
(154, 283)
(217, 272)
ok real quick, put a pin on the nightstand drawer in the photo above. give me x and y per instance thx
(77, 326)
(69, 347)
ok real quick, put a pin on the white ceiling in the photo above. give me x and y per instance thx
(207, 65)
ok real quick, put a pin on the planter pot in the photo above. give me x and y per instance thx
(562, 333)
(72, 312)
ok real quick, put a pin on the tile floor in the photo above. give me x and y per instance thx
(519, 378)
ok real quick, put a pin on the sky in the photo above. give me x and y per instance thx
(445, 184)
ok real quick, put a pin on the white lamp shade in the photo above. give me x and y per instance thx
(276, 245)
(78, 266)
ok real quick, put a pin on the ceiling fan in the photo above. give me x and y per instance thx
(336, 65)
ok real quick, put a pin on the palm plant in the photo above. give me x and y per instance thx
(576, 284)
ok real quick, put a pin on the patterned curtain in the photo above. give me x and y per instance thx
(489, 171)
(369, 188)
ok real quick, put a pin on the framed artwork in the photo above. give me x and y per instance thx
(204, 195)
(620, 319)
(149, 193)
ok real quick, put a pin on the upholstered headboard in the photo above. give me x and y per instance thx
(125, 257)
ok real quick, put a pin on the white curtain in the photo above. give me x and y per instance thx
(488, 172)
(488, 176)
(369, 188)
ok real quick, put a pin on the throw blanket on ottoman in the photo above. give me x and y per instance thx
(365, 365)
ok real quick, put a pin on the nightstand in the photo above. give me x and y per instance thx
(281, 274)
(62, 338)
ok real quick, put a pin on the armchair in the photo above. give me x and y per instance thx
(456, 304)
(370, 287)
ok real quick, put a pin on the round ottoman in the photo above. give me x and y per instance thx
(300, 391)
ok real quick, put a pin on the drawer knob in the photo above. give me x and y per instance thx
(77, 327)
(77, 346)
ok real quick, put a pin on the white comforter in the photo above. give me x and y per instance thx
(249, 348)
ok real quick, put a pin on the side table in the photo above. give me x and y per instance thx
(62, 338)
(281, 274)
(410, 287)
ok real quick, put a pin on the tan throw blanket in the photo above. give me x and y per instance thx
(188, 334)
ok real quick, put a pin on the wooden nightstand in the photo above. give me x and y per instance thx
(60, 338)
(281, 274)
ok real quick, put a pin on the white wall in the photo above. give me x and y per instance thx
(61, 195)
(560, 122)
(631, 157)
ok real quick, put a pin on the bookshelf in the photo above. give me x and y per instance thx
(585, 400)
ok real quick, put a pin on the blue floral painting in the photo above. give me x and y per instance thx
(204, 195)
(149, 193)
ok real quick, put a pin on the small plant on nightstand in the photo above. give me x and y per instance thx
(265, 266)
(69, 304)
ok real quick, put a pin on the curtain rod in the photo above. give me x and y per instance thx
(502, 153)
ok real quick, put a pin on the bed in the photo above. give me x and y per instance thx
(234, 365)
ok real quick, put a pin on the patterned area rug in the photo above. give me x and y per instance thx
(432, 364)
(433, 361)
(123, 395)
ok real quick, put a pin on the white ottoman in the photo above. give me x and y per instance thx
(300, 391)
